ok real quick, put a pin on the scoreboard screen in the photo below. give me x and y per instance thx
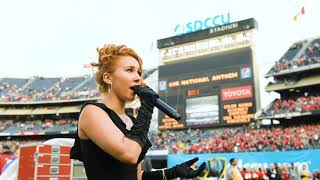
(202, 110)
(213, 90)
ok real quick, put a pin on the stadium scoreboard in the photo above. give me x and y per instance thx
(209, 76)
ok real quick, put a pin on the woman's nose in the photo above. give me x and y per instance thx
(137, 79)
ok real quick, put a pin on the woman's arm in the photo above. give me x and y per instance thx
(98, 127)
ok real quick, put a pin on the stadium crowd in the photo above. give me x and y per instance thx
(37, 126)
(227, 139)
(217, 140)
(309, 57)
(240, 139)
(300, 104)
(42, 89)
(276, 171)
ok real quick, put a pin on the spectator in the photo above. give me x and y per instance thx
(305, 173)
(273, 174)
(293, 172)
(232, 172)
(316, 175)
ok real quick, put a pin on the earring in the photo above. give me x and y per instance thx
(109, 88)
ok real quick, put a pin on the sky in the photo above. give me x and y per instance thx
(56, 38)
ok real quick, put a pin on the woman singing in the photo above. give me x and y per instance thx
(110, 143)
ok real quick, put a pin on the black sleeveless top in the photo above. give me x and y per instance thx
(99, 164)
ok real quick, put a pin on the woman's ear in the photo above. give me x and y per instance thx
(107, 78)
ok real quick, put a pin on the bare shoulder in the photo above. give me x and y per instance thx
(92, 117)
(92, 113)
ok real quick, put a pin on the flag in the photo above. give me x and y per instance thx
(302, 11)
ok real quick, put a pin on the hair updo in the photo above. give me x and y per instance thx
(108, 56)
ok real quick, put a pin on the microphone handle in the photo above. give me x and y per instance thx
(165, 108)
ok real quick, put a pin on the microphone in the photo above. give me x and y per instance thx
(164, 107)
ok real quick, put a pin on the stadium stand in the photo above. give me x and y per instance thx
(36, 109)
(47, 89)
(302, 104)
(298, 85)
(296, 78)
(38, 126)
(300, 56)
(41, 106)
(40, 89)
(239, 139)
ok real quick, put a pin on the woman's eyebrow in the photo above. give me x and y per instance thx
(132, 67)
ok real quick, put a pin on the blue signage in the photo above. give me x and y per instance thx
(206, 23)
(245, 72)
(163, 85)
(256, 159)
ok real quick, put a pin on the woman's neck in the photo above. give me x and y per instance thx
(114, 103)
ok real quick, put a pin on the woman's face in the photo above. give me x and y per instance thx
(127, 74)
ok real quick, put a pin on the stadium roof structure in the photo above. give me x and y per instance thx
(148, 72)
(243, 25)
(47, 101)
(295, 70)
(285, 115)
(307, 81)
(296, 51)
(39, 110)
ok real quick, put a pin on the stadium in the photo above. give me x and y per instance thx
(211, 78)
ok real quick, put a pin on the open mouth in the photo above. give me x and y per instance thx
(132, 91)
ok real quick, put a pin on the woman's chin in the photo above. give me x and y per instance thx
(131, 98)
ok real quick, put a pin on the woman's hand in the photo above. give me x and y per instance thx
(146, 94)
(184, 170)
